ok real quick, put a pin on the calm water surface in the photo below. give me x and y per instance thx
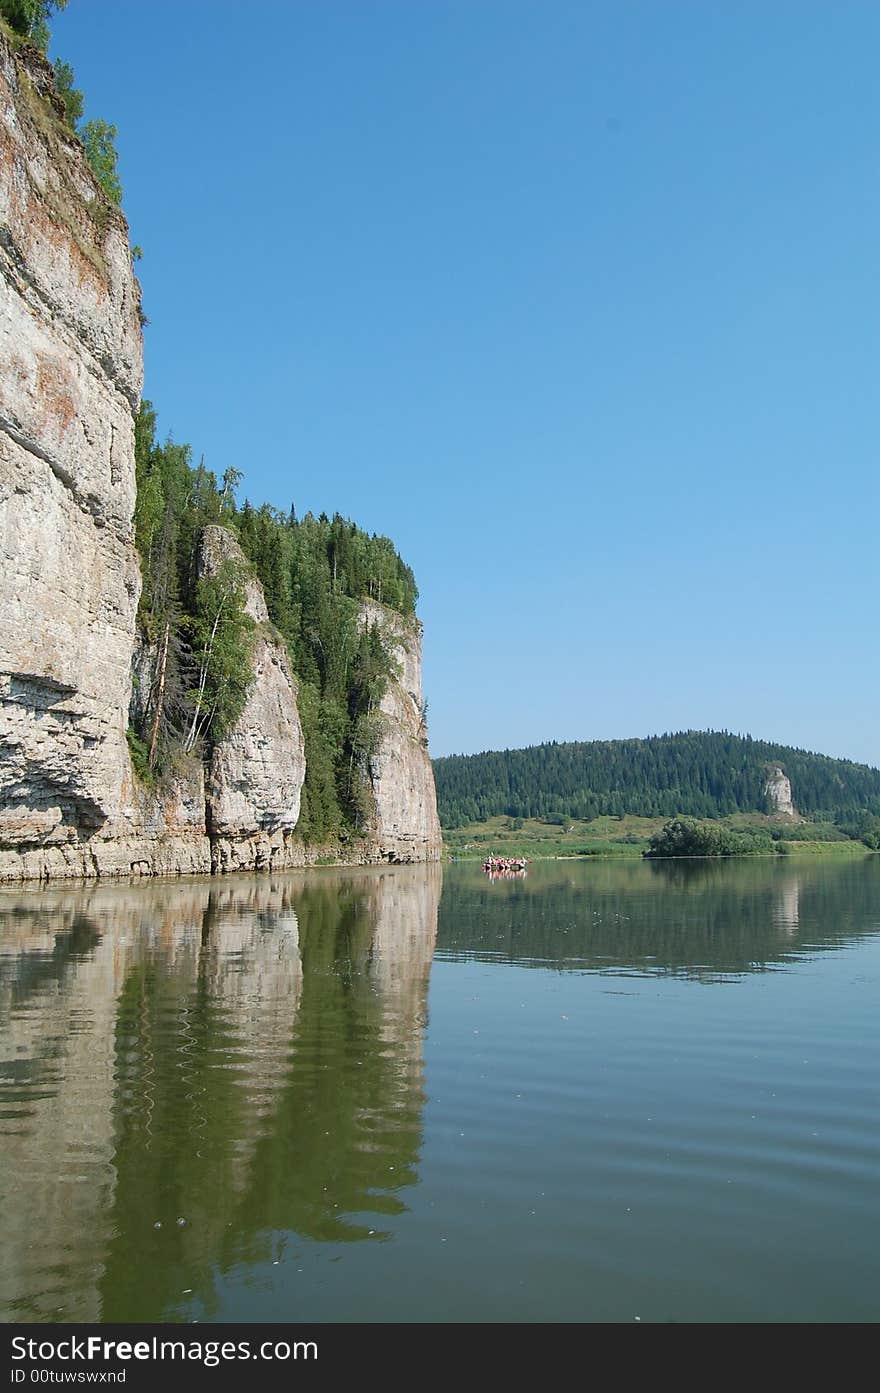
(604, 1092)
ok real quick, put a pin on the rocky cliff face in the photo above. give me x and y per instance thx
(255, 775)
(71, 360)
(406, 826)
(777, 791)
(70, 348)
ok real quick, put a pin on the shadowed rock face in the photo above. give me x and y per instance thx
(406, 826)
(71, 354)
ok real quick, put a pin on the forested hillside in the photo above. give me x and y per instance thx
(700, 773)
(314, 572)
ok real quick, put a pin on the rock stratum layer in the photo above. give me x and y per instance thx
(71, 353)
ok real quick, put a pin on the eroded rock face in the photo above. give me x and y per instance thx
(777, 791)
(70, 348)
(406, 826)
(256, 774)
(70, 382)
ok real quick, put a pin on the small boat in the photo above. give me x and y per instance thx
(495, 866)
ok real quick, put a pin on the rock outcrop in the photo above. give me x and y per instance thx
(406, 826)
(73, 670)
(255, 775)
(777, 791)
(71, 354)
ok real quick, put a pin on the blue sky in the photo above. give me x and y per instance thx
(578, 302)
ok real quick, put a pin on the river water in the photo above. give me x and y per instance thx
(605, 1092)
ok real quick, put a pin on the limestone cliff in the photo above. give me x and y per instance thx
(777, 791)
(71, 363)
(406, 826)
(255, 775)
(71, 354)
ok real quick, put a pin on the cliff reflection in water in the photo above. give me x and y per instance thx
(189, 1071)
(702, 919)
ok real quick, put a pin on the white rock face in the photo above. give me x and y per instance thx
(70, 350)
(406, 826)
(70, 383)
(777, 791)
(256, 774)
(217, 545)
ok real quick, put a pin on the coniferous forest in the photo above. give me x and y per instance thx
(698, 773)
(314, 571)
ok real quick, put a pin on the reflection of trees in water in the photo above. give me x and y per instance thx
(202, 1045)
(243, 1056)
(343, 1130)
(697, 918)
(349, 1124)
(246, 1054)
(65, 955)
(70, 957)
(56, 1018)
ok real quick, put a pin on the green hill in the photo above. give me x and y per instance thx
(698, 773)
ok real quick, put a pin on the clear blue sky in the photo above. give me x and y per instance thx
(578, 302)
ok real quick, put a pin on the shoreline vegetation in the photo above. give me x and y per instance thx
(635, 838)
(687, 794)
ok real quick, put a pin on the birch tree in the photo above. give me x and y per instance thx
(222, 645)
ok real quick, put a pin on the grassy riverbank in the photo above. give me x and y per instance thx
(629, 836)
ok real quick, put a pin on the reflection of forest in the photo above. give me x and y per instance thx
(242, 1055)
(692, 917)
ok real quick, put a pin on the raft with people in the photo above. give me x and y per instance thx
(495, 866)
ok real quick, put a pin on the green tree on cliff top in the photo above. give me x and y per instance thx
(30, 18)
